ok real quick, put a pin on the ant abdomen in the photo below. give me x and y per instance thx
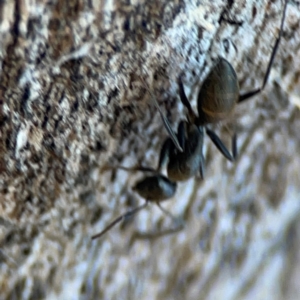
(219, 93)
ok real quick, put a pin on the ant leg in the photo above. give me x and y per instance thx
(202, 167)
(133, 169)
(165, 120)
(168, 146)
(186, 102)
(219, 144)
(202, 161)
(169, 129)
(164, 154)
(250, 94)
(168, 213)
(234, 146)
(233, 142)
(181, 133)
(119, 219)
(153, 235)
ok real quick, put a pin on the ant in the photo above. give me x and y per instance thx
(217, 99)
(182, 152)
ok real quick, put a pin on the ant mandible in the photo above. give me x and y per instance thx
(182, 152)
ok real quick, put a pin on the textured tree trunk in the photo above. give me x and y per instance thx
(74, 98)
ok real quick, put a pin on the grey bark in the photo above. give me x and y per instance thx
(73, 100)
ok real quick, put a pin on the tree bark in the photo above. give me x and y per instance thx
(74, 96)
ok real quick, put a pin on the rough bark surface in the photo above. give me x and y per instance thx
(73, 99)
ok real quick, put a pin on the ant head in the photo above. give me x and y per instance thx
(155, 188)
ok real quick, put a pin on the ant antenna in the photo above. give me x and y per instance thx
(123, 217)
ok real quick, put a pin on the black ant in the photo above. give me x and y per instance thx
(182, 152)
(216, 101)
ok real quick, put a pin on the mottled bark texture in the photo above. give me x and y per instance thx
(72, 101)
